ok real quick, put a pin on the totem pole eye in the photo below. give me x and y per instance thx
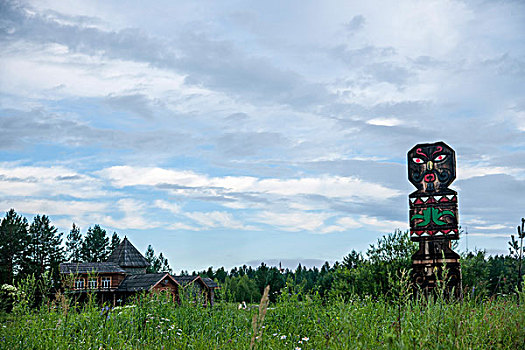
(418, 160)
(440, 158)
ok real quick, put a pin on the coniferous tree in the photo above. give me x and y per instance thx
(165, 265)
(115, 241)
(220, 275)
(74, 244)
(157, 264)
(44, 251)
(95, 245)
(150, 257)
(14, 238)
(352, 260)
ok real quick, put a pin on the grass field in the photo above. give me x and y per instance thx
(292, 322)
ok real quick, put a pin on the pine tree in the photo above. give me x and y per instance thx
(95, 245)
(44, 251)
(165, 266)
(14, 238)
(150, 257)
(352, 260)
(74, 244)
(156, 264)
(115, 241)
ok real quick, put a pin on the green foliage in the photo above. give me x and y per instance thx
(239, 289)
(95, 245)
(514, 247)
(14, 238)
(115, 241)
(393, 248)
(74, 244)
(8, 295)
(44, 250)
(295, 320)
(352, 260)
(475, 273)
(36, 250)
(26, 296)
(157, 263)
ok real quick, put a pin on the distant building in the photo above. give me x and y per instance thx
(124, 275)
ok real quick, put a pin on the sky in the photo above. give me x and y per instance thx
(226, 133)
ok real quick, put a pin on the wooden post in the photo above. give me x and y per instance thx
(434, 216)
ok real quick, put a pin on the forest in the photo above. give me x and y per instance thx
(363, 301)
(35, 250)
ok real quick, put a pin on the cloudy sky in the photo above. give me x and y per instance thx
(230, 132)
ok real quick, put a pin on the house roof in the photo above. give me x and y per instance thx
(185, 280)
(126, 255)
(210, 283)
(91, 267)
(135, 283)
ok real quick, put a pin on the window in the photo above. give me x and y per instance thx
(92, 284)
(79, 283)
(106, 282)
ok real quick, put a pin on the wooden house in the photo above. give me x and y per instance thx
(124, 275)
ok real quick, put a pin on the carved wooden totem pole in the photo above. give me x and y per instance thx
(434, 216)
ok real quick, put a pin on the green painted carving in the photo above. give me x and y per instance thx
(431, 214)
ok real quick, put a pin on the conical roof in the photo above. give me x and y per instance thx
(126, 255)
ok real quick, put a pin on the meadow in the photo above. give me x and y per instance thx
(294, 321)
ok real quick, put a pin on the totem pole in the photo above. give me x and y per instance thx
(434, 216)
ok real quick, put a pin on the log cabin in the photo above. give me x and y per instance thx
(123, 275)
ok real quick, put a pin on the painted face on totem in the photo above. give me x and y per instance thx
(431, 167)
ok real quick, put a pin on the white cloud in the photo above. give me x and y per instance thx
(172, 207)
(382, 121)
(384, 225)
(54, 207)
(293, 221)
(492, 227)
(342, 224)
(181, 226)
(479, 234)
(216, 219)
(53, 72)
(467, 171)
(47, 181)
(348, 222)
(520, 120)
(330, 186)
(134, 216)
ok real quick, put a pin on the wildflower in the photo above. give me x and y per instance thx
(305, 339)
(283, 336)
(275, 334)
(297, 348)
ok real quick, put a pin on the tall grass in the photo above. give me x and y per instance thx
(294, 321)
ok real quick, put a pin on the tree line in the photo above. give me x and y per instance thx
(36, 249)
(371, 274)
